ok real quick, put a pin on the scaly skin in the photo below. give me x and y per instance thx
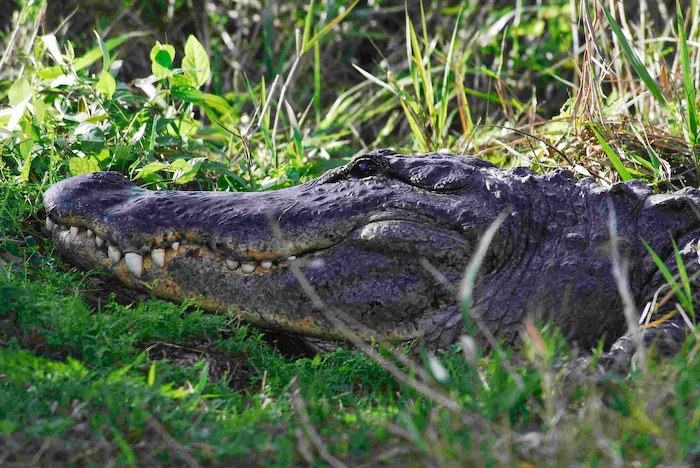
(358, 234)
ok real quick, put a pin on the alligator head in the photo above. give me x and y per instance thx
(361, 234)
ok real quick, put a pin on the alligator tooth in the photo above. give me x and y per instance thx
(114, 253)
(50, 224)
(266, 264)
(158, 257)
(90, 233)
(134, 262)
(232, 264)
(175, 246)
(99, 241)
(74, 232)
(248, 268)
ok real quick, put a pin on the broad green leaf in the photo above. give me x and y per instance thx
(104, 155)
(19, 91)
(89, 58)
(164, 59)
(177, 393)
(162, 56)
(86, 165)
(203, 379)
(184, 126)
(51, 44)
(151, 168)
(179, 80)
(97, 118)
(180, 165)
(188, 175)
(217, 103)
(196, 61)
(29, 130)
(68, 79)
(17, 113)
(39, 107)
(634, 59)
(90, 137)
(25, 150)
(106, 85)
(138, 135)
(216, 107)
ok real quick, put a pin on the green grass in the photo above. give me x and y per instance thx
(86, 380)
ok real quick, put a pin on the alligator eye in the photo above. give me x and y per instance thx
(364, 168)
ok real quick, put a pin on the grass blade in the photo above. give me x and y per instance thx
(667, 274)
(308, 23)
(326, 29)
(685, 281)
(444, 94)
(687, 78)
(614, 159)
(634, 59)
(376, 80)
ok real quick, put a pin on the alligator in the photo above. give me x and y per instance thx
(382, 241)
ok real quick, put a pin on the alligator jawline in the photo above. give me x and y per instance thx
(135, 261)
(247, 265)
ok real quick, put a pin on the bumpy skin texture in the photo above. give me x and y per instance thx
(359, 233)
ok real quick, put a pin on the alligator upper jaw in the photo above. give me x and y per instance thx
(239, 226)
(400, 226)
(247, 231)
